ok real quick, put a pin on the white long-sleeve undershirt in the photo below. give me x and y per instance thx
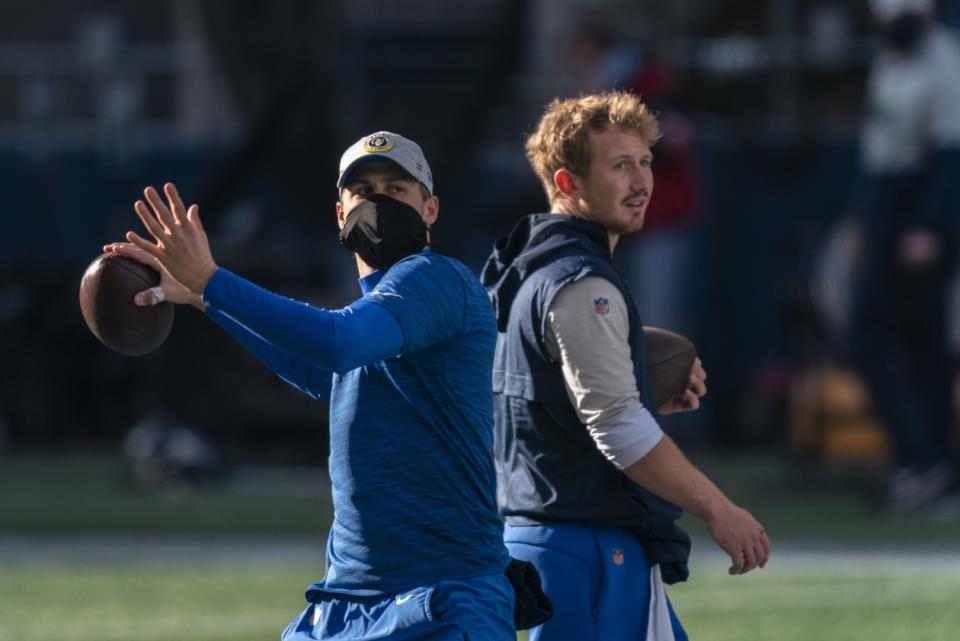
(587, 333)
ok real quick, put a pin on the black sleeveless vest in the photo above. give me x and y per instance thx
(549, 468)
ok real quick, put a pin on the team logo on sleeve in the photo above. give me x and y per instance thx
(377, 143)
(601, 306)
(617, 556)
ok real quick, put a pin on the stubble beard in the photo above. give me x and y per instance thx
(621, 227)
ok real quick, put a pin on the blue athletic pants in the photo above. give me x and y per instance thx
(597, 578)
(478, 609)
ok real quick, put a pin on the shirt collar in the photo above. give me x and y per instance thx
(368, 282)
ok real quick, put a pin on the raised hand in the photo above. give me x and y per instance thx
(181, 246)
(169, 288)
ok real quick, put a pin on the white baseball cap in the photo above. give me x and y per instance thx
(386, 145)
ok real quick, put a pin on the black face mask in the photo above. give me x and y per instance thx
(383, 230)
(904, 32)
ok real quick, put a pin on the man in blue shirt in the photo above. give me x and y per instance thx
(415, 550)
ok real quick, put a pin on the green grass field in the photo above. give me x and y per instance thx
(837, 572)
(249, 601)
(146, 602)
(891, 601)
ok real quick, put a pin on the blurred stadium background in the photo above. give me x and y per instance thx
(141, 496)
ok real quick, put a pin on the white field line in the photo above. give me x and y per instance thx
(800, 577)
(920, 589)
(845, 559)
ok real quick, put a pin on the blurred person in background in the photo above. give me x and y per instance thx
(416, 549)
(908, 205)
(590, 486)
(599, 60)
(659, 259)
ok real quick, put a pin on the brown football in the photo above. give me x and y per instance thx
(106, 301)
(669, 359)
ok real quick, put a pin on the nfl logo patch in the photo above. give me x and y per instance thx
(601, 305)
(617, 556)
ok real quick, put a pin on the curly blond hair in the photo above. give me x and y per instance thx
(561, 139)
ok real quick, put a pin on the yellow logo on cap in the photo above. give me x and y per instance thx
(377, 143)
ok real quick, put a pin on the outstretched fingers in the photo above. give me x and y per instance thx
(181, 247)
(151, 248)
(193, 215)
(133, 251)
(176, 204)
(162, 212)
(153, 225)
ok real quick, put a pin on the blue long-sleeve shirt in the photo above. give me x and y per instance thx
(302, 344)
(411, 417)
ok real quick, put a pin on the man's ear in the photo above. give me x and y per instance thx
(566, 183)
(431, 210)
(341, 215)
